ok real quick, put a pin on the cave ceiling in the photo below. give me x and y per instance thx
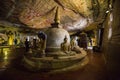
(38, 14)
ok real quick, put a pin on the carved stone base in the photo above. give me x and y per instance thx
(51, 64)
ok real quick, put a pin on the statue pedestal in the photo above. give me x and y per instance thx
(51, 64)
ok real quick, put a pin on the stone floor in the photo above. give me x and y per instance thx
(10, 69)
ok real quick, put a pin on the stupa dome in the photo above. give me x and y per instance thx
(55, 36)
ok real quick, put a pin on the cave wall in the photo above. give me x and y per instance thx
(112, 46)
(106, 26)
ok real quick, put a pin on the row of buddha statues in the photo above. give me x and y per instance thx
(36, 44)
(72, 46)
(10, 38)
(40, 45)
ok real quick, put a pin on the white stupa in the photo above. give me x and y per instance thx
(56, 34)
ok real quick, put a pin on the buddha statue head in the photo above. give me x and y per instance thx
(65, 39)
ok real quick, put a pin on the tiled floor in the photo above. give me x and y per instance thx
(11, 69)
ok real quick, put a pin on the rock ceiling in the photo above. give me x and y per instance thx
(74, 14)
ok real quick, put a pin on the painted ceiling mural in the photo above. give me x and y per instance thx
(74, 14)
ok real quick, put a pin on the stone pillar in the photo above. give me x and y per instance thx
(96, 36)
(100, 36)
(113, 50)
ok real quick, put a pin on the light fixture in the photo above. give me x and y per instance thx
(107, 11)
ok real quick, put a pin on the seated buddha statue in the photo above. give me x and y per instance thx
(65, 47)
(73, 43)
(74, 46)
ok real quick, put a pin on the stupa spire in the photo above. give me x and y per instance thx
(56, 19)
